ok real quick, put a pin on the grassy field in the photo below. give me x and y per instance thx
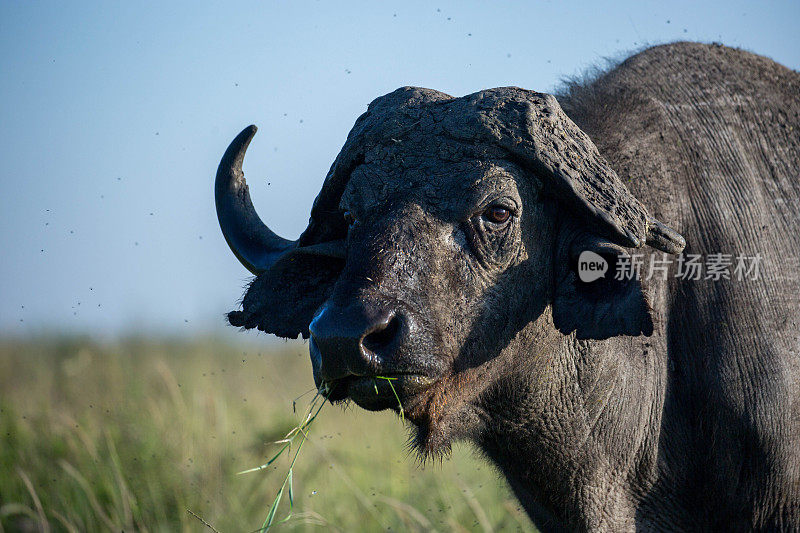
(140, 434)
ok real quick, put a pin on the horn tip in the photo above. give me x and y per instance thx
(247, 134)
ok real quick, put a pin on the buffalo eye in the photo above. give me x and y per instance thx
(349, 218)
(497, 214)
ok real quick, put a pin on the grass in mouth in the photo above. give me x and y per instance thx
(399, 403)
(300, 430)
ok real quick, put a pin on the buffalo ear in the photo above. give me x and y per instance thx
(283, 299)
(601, 308)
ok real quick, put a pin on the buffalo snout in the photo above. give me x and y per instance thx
(356, 341)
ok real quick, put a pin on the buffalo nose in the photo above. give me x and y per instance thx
(357, 340)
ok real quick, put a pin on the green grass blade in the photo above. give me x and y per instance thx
(291, 498)
(288, 480)
(272, 510)
(291, 495)
(265, 465)
(399, 403)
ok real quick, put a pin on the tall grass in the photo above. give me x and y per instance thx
(149, 435)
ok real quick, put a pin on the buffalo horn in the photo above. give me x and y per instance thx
(251, 241)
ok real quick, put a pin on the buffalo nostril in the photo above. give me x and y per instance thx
(382, 335)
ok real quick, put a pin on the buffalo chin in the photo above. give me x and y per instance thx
(438, 422)
(435, 424)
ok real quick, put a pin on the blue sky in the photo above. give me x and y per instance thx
(114, 115)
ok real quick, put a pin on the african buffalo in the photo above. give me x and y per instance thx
(443, 251)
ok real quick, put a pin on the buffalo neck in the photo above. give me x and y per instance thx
(569, 434)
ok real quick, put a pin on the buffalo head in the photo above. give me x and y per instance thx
(441, 253)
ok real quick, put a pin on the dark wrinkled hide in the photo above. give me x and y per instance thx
(668, 405)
